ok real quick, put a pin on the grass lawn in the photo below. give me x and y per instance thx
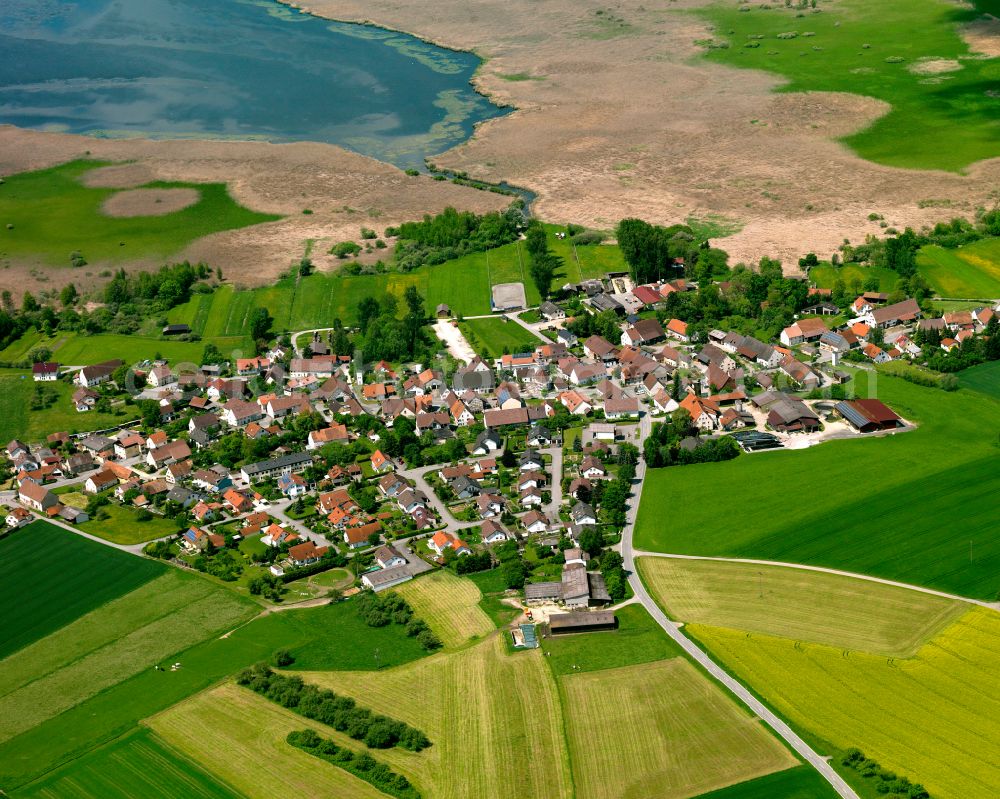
(54, 214)
(335, 637)
(927, 502)
(801, 782)
(252, 545)
(496, 714)
(934, 718)
(638, 639)
(122, 527)
(984, 378)
(688, 736)
(775, 600)
(18, 420)
(332, 578)
(936, 122)
(969, 272)
(246, 737)
(825, 275)
(138, 766)
(111, 644)
(40, 596)
(449, 604)
(493, 336)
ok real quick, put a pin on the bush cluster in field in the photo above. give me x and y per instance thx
(360, 764)
(378, 611)
(887, 782)
(339, 712)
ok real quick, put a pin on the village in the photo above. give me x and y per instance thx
(269, 470)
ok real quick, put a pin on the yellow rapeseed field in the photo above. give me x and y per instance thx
(934, 717)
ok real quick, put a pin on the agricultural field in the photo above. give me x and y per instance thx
(984, 378)
(77, 349)
(111, 644)
(138, 766)
(40, 597)
(54, 214)
(494, 336)
(970, 272)
(801, 782)
(781, 601)
(898, 523)
(328, 637)
(18, 420)
(499, 714)
(883, 705)
(122, 527)
(694, 738)
(907, 53)
(315, 301)
(246, 747)
(449, 604)
(638, 639)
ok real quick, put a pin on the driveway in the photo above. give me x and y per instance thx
(460, 349)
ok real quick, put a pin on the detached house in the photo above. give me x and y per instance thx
(98, 373)
(645, 331)
(36, 497)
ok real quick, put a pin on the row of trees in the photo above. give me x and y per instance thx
(339, 712)
(360, 764)
(542, 262)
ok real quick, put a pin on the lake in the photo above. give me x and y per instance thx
(235, 69)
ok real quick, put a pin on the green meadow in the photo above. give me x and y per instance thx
(17, 420)
(971, 272)
(178, 617)
(39, 595)
(887, 50)
(463, 284)
(139, 766)
(801, 782)
(53, 214)
(493, 336)
(984, 378)
(917, 506)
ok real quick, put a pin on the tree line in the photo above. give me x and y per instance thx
(339, 712)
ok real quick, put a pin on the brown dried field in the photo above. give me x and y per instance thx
(149, 202)
(620, 119)
(617, 116)
(345, 191)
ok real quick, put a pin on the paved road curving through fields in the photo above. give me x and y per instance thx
(803, 749)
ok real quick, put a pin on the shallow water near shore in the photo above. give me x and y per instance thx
(236, 69)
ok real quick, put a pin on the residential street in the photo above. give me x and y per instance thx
(733, 686)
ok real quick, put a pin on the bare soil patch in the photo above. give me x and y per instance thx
(983, 36)
(149, 202)
(118, 176)
(934, 66)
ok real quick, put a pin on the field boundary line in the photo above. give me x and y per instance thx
(825, 570)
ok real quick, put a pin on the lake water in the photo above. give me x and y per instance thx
(238, 69)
